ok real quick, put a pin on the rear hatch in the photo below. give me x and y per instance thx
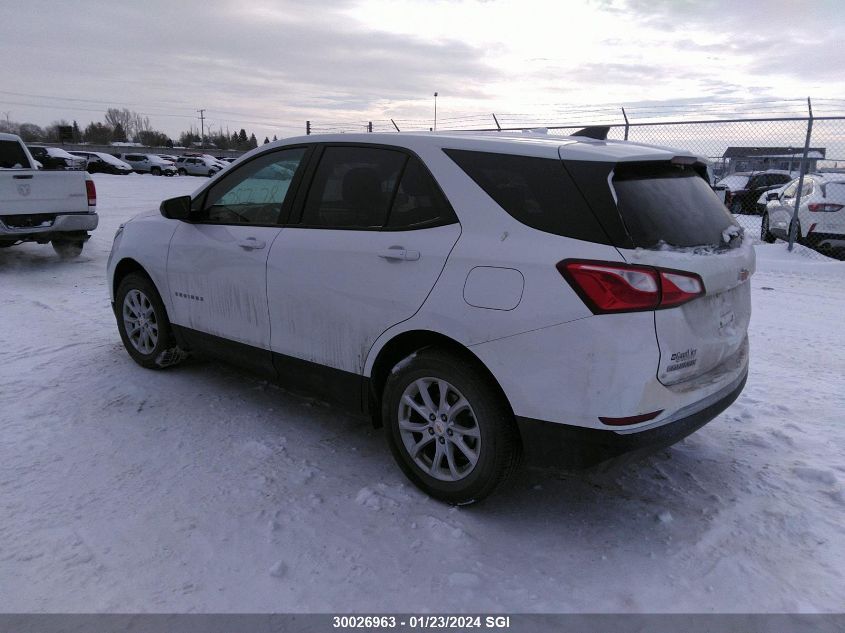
(664, 214)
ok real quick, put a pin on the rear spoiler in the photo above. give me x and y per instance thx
(598, 132)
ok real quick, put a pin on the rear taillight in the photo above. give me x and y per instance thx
(821, 207)
(611, 287)
(91, 190)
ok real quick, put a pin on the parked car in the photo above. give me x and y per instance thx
(197, 166)
(821, 213)
(478, 296)
(742, 189)
(170, 157)
(56, 158)
(149, 164)
(55, 207)
(102, 163)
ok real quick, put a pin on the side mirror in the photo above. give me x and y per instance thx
(176, 208)
(772, 195)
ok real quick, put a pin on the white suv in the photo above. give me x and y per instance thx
(149, 164)
(197, 166)
(479, 296)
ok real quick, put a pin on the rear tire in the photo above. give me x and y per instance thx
(736, 207)
(469, 447)
(765, 235)
(143, 324)
(68, 249)
(183, 171)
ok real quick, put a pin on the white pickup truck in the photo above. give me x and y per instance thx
(43, 206)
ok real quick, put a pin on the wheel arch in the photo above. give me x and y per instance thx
(126, 266)
(403, 345)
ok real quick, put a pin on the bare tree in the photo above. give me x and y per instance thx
(120, 117)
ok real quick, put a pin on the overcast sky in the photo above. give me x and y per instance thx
(269, 66)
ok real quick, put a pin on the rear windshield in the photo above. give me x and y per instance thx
(733, 182)
(669, 205)
(835, 191)
(12, 156)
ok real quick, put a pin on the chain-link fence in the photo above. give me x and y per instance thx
(783, 178)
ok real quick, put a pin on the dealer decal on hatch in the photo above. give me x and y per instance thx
(682, 360)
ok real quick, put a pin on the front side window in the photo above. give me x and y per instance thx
(353, 187)
(255, 193)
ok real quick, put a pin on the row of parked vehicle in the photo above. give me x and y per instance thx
(771, 194)
(194, 164)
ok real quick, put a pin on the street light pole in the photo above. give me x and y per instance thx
(435, 111)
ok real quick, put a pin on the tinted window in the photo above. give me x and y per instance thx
(669, 204)
(353, 187)
(255, 192)
(535, 191)
(12, 156)
(419, 201)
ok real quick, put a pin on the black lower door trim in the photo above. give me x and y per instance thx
(336, 386)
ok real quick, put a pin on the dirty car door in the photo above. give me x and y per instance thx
(217, 263)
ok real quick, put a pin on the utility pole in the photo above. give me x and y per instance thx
(202, 128)
(435, 111)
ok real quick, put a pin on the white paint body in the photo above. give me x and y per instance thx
(487, 282)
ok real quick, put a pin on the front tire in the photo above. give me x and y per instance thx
(68, 249)
(143, 324)
(450, 431)
(183, 171)
(155, 171)
(736, 207)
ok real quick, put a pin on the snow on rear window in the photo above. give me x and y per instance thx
(670, 206)
(835, 191)
(733, 182)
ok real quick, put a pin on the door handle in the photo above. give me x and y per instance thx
(400, 254)
(252, 244)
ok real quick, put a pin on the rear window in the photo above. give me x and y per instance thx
(12, 156)
(671, 205)
(835, 191)
(733, 182)
(537, 192)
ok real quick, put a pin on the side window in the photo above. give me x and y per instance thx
(419, 201)
(254, 193)
(538, 192)
(353, 187)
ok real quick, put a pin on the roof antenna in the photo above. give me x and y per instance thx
(598, 132)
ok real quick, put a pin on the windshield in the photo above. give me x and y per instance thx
(668, 205)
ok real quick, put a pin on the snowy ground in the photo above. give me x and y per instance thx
(205, 489)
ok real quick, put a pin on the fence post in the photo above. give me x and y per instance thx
(370, 127)
(498, 127)
(626, 123)
(308, 128)
(793, 225)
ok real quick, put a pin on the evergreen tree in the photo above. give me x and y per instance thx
(274, 138)
(266, 140)
(77, 135)
(242, 137)
(253, 142)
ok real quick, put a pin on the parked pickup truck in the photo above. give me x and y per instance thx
(59, 207)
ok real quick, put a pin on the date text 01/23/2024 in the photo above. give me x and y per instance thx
(421, 622)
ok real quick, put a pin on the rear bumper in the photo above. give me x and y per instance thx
(17, 229)
(553, 444)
